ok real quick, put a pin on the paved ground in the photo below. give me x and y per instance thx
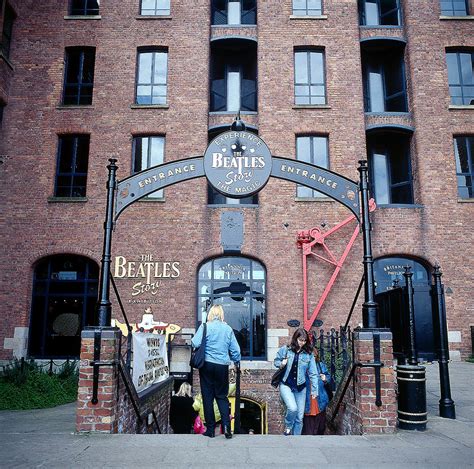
(45, 438)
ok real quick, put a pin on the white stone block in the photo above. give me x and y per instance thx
(273, 342)
(455, 355)
(277, 333)
(454, 336)
(9, 343)
(21, 333)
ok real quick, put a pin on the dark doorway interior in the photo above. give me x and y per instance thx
(388, 272)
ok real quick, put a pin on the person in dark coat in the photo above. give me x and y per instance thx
(182, 414)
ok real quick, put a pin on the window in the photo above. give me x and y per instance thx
(151, 77)
(71, 169)
(384, 80)
(379, 12)
(238, 284)
(64, 299)
(464, 154)
(233, 78)
(84, 7)
(390, 168)
(312, 149)
(454, 7)
(310, 87)
(307, 7)
(155, 7)
(8, 19)
(147, 152)
(79, 75)
(461, 77)
(234, 12)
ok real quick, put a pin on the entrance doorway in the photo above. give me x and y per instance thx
(388, 272)
(252, 416)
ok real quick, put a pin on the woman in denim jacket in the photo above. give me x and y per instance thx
(316, 424)
(299, 362)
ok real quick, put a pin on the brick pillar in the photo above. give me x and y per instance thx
(100, 417)
(370, 417)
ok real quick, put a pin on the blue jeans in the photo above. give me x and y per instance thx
(294, 402)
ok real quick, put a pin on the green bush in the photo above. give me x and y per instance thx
(24, 385)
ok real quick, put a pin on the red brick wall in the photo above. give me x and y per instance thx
(184, 228)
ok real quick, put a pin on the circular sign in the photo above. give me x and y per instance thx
(237, 163)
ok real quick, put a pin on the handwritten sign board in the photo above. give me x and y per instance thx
(150, 360)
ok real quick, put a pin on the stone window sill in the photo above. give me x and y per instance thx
(153, 17)
(380, 26)
(67, 199)
(149, 106)
(466, 201)
(311, 106)
(239, 206)
(461, 106)
(399, 206)
(462, 18)
(233, 25)
(83, 17)
(309, 17)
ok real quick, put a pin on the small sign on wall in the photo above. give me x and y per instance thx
(150, 360)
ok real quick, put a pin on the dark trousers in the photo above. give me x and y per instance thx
(215, 385)
(314, 425)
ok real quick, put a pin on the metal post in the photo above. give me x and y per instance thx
(413, 354)
(237, 399)
(369, 308)
(446, 404)
(104, 305)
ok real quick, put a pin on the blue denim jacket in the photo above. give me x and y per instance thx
(306, 366)
(323, 399)
(220, 343)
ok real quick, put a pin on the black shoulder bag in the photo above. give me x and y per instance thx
(198, 354)
(278, 375)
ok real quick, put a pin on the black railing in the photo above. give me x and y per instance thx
(128, 360)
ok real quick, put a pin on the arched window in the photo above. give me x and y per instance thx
(238, 284)
(388, 273)
(63, 303)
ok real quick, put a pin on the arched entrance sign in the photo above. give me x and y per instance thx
(238, 164)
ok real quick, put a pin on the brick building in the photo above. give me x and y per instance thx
(330, 82)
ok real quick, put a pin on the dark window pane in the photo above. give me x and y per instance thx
(379, 12)
(72, 165)
(148, 152)
(464, 156)
(79, 75)
(461, 77)
(454, 7)
(8, 20)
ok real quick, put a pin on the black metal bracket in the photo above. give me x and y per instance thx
(96, 364)
(376, 365)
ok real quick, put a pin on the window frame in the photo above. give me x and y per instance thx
(295, 11)
(309, 84)
(80, 84)
(224, 14)
(158, 195)
(41, 300)
(212, 296)
(389, 158)
(459, 71)
(363, 19)
(154, 51)
(9, 17)
(86, 11)
(315, 195)
(470, 161)
(73, 174)
(156, 10)
(452, 11)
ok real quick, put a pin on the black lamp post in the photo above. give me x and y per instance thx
(104, 305)
(369, 308)
(446, 404)
(412, 353)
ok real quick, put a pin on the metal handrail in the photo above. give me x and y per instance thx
(129, 327)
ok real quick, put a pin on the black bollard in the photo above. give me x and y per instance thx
(411, 378)
(446, 404)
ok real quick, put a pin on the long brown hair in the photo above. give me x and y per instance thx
(300, 332)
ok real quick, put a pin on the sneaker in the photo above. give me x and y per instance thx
(287, 432)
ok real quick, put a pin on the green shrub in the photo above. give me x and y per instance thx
(26, 386)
